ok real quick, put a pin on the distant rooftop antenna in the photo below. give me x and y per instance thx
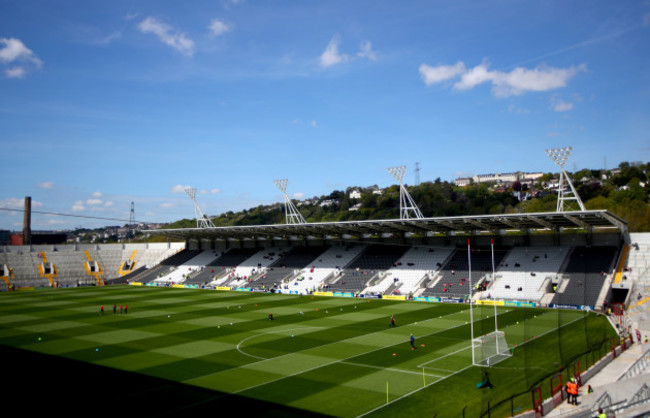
(132, 220)
(132, 216)
(407, 207)
(417, 174)
(202, 221)
(560, 156)
(292, 215)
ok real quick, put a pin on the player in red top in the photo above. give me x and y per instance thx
(101, 310)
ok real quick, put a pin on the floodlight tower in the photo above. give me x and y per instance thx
(202, 221)
(560, 156)
(291, 214)
(406, 203)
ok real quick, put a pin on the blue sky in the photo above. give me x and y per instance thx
(102, 104)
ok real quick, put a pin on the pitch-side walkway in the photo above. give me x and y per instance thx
(607, 381)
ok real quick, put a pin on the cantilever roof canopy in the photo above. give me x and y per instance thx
(458, 224)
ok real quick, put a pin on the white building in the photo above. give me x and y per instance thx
(463, 181)
(355, 194)
(499, 178)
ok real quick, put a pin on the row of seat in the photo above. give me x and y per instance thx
(521, 272)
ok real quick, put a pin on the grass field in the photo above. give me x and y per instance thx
(184, 350)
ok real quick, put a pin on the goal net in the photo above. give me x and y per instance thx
(490, 349)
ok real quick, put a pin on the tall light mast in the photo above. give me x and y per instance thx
(291, 214)
(202, 221)
(560, 156)
(407, 207)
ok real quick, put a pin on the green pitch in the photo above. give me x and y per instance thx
(330, 356)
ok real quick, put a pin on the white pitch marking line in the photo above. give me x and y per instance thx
(461, 370)
(332, 362)
(387, 368)
(319, 366)
(277, 331)
(446, 355)
(332, 343)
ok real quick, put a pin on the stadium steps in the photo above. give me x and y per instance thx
(621, 264)
(585, 275)
(171, 262)
(127, 278)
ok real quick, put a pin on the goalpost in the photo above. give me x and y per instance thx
(491, 348)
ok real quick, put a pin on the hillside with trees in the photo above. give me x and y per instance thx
(624, 191)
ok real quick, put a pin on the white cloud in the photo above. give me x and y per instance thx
(432, 75)
(474, 77)
(562, 106)
(98, 194)
(130, 16)
(298, 195)
(45, 185)
(14, 51)
(331, 55)
(92, 202)
(78, 206)
(210, 191)
(313, 123)
(167, 205)
(219, 27)
(646, 20)
(367, 52)
(522, 80)
(177, 40)
(516, 82)
(17, 203)
(16, 72)
(12, 202)
(179, 189)
(108, 203)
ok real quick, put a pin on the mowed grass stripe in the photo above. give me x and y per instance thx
(447, 340)
(342, 349)
(296, 362)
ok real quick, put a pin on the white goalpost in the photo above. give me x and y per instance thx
(491, 348)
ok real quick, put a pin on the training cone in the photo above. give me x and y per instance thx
(394, 354)
(423, 345)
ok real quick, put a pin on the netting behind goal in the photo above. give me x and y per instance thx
(490, 349)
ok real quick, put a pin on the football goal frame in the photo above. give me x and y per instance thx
(490, 349)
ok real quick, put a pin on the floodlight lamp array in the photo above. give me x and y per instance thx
(281, 184)
(559, 155)
(398, 173)
(191, 192)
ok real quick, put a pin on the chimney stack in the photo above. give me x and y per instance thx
(27, 221)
